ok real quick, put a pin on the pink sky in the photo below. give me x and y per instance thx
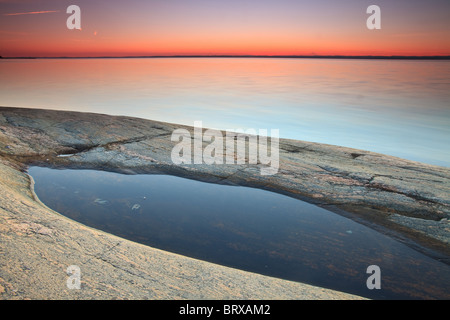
(209, 27)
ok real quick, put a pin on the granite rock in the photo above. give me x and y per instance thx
(393, 195)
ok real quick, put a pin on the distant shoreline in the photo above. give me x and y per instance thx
(367, 57)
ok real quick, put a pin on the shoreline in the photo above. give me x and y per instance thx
(404, 199)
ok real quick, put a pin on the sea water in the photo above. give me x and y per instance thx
(395, 107)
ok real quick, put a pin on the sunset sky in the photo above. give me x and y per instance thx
(228, 27)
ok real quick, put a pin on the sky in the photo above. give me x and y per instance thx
(223, 27)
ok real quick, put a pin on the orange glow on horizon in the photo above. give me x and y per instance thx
(207, 28)
(95, 43)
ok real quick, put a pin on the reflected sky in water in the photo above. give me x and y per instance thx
(400, 108)
(244, 228)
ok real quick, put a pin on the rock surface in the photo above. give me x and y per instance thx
(37, 245)
(406, 199)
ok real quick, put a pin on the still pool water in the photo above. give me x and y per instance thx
(244, 228)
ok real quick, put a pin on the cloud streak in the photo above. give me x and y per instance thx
(32, 12)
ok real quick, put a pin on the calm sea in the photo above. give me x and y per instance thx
(400, 108)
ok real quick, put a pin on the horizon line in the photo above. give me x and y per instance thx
(405, 57)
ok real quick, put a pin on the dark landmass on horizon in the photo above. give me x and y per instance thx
(249, 56)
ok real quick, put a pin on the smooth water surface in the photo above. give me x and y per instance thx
(395, 107)
(244, 228)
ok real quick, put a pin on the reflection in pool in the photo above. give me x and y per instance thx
(244, 228)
